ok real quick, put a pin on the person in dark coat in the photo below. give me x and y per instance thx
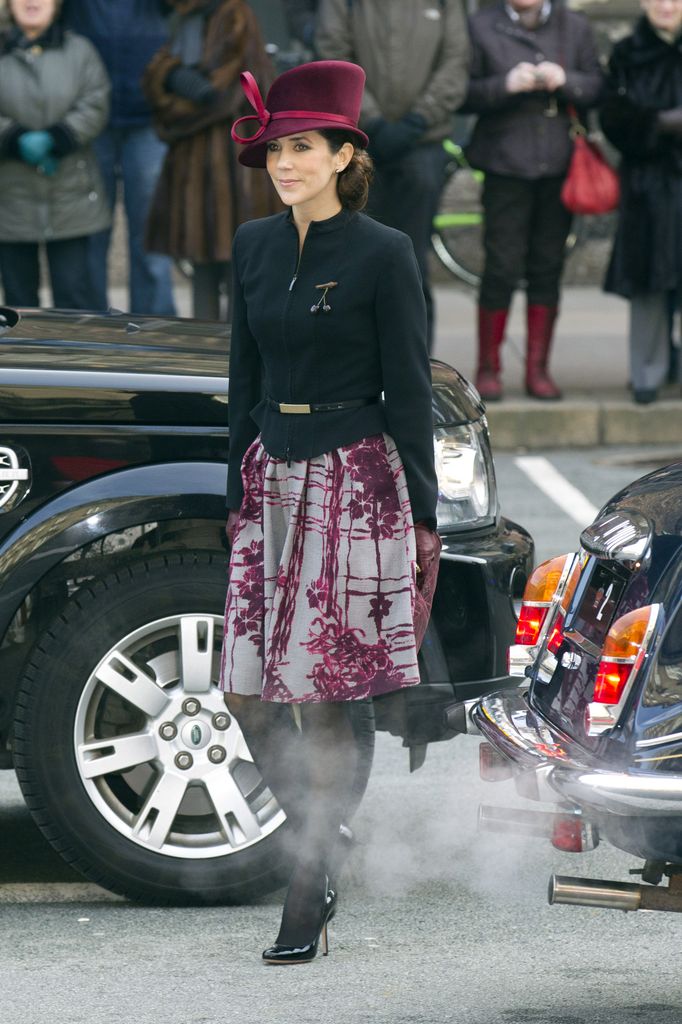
(126, 33)
(531, 59)
(642, 117)
(416, 58)
(331, 479)
(203, 193)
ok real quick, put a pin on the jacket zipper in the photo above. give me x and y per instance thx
(291, 288)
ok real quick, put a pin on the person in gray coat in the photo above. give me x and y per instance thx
(532, 59)
(54, 100)
(415, 54)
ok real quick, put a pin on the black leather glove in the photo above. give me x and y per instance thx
(190, 84)
(390, 139)
(669, 122)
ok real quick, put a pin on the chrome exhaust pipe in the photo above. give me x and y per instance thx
(517, 820)
(593, 892)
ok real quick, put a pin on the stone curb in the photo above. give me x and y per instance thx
(583, 424)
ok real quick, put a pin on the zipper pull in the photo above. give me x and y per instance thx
(293, 282)
(288, 457)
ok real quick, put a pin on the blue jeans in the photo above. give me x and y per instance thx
(134, 156)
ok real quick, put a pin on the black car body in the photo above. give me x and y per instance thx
(598, 730)
(113, 566)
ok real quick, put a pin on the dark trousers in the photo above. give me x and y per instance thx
(526, 227)
(67, 260)
(405, 194)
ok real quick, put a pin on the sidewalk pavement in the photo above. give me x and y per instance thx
(589, 362)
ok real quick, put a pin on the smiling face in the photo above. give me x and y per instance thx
(304, 171)
(664, 15)
(33, 16)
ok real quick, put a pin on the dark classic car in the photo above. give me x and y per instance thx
(113, 565)
(597, 728)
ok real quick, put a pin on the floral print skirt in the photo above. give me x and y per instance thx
(320, 601)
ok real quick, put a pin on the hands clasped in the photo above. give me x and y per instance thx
(527, 77)
(35, 148)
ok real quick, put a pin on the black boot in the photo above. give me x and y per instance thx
(331, 756)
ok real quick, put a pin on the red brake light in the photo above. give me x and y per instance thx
(567, 834)
(529, 624)
(556, 637)
(612, 677)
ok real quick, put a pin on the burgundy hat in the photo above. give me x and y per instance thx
(324, 94)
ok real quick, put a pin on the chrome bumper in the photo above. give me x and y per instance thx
(536, 746)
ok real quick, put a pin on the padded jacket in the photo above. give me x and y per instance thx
(415, 54)
(514, 134)
(43, 86)
(373, 340)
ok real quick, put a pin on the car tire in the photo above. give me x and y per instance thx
(108, 678)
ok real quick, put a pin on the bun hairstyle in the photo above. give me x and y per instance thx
(353, 182)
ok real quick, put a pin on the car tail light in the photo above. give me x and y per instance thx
(545, 582)
(623, 652)
(493, 766)
(572, 834)
(556, 636)
(530, 621)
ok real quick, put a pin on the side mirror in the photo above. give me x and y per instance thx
(9, 318)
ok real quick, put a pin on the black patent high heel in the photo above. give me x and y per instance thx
(279, 954)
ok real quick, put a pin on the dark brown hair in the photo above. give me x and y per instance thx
(354, 181)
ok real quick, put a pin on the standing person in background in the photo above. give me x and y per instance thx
(54, 100)
(415, 54)
(127, 33)
(531, 59)
(204, 193)
(301, 15)
(642, 117)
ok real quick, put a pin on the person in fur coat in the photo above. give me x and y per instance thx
(204, 193)
(642, 117)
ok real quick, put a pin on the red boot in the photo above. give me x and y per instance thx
(491, 325)
(540, 329)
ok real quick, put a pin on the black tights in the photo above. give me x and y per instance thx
(311, 774)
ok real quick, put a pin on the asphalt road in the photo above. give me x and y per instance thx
(437, 925)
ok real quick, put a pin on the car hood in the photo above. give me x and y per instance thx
(59, 366)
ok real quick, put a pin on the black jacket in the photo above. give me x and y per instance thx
(372, 340)
(645, 77)
(513, 134)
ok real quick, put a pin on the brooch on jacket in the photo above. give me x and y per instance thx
(322, 303)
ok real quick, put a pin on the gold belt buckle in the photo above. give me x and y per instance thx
(295, 409)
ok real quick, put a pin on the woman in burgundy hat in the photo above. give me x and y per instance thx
(331, 487)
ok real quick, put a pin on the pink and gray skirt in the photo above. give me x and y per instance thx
(320, 601)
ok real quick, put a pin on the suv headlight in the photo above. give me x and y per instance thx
(466, 479)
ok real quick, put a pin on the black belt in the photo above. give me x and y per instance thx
(307, 407)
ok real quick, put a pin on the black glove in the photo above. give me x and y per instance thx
(190, 84)
(63, 139)
(390, 139)
(669, 122)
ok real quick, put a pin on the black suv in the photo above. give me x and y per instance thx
(113, 560)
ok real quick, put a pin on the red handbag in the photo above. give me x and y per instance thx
(591, 185)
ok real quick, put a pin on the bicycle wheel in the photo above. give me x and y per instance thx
(457, 230)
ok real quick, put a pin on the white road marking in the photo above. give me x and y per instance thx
(549, 480)
(56, 892)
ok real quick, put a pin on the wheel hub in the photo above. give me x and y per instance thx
(157, 752)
